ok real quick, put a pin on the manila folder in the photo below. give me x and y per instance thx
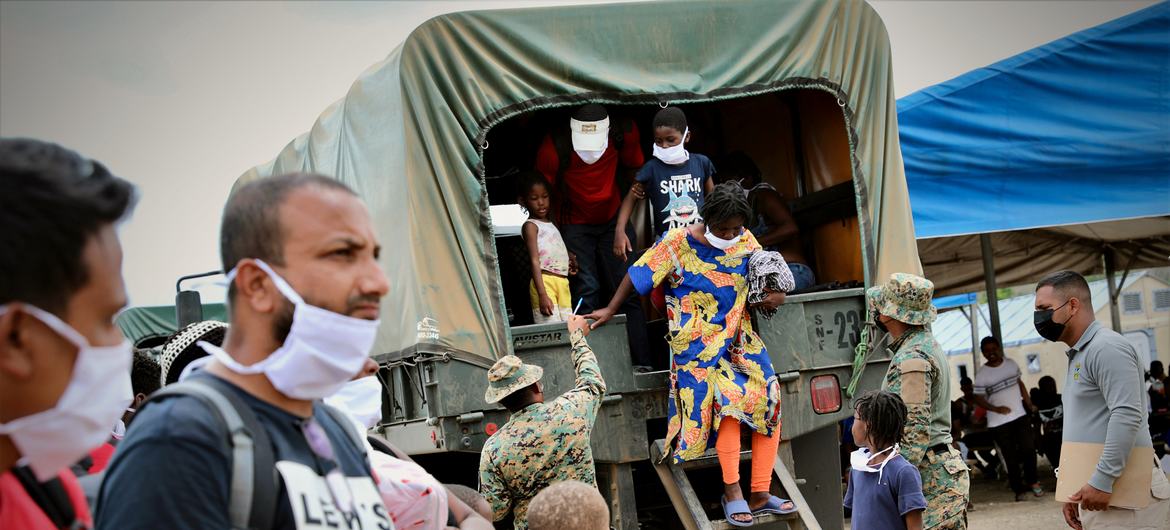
(1078, 461)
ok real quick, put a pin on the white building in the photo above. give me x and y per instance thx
(1145, 320)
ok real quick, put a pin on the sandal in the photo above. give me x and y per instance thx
(775, 505)
(739, 507)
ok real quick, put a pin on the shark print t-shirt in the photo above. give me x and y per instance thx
(675, 191)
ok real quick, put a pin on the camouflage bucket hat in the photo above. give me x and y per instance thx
(905, 297)
(508, 375)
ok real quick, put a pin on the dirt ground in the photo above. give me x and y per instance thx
(996, 509)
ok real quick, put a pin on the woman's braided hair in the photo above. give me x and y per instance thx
(884, 415)
(728, 201)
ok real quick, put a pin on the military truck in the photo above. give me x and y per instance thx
(432, 136)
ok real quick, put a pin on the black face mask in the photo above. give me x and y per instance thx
(1048, 329)
(877, 321)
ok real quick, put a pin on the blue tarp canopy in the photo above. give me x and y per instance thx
(1060, 150)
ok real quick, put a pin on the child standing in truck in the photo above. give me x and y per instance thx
(675, 181)
(549, 290)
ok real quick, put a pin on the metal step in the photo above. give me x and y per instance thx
(652, 380)
(691, 511)
(709, 459)
(780, 521)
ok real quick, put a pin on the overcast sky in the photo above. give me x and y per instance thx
(183, 97)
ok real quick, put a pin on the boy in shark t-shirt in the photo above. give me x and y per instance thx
(675, 180)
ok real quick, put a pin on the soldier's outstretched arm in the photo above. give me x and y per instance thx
(910, 379)
(589, 381)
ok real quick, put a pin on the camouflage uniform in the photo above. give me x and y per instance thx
(920, 374)
(544, 443)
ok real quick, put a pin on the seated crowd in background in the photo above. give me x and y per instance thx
(1049, 420)
(1156, 383)
(969, 427)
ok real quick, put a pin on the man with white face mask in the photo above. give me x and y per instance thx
(304, 294)
(412, 496)
(583, 162)
(64, 364)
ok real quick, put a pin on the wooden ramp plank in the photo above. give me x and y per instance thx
(762, 521)
(678, 487)
(794, 494)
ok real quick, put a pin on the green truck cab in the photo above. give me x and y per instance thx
(430, 137)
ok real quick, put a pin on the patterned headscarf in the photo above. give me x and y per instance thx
(768, 270)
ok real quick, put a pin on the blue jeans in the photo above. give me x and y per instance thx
(599, 274)
(803, 275)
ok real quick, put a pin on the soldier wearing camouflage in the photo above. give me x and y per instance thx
(920, 374)
(544, 443)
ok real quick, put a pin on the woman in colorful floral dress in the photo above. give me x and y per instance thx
(721, 375)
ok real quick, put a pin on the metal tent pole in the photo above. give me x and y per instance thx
(989, 284)
(974, 317)
(1110, 273)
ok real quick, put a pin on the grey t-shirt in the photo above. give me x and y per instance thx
(1104, 400)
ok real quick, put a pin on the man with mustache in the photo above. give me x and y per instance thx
(305, 285)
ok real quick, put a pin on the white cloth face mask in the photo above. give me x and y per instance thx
(323, 349)
(119, 430)
(95, 398)
(591, 157)
(675, 154)
(361, 399)
(720, 243)
(860, 458)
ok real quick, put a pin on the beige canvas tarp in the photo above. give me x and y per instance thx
(955, 264)
(408, 136)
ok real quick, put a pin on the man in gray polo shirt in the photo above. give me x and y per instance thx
(1103, 404)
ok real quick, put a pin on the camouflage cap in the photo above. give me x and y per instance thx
(905, 297)
(508, 375)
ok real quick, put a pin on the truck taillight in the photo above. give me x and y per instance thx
(826, 394)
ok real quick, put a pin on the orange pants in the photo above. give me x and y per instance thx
(763, 454)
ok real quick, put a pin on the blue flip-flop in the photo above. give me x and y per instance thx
(739, 507)
(774, 506)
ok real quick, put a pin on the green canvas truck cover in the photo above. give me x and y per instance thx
(409, 135)
(158, 322)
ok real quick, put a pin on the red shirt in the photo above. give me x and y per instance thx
(18, 510)
(594, 196)
(101, 457)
